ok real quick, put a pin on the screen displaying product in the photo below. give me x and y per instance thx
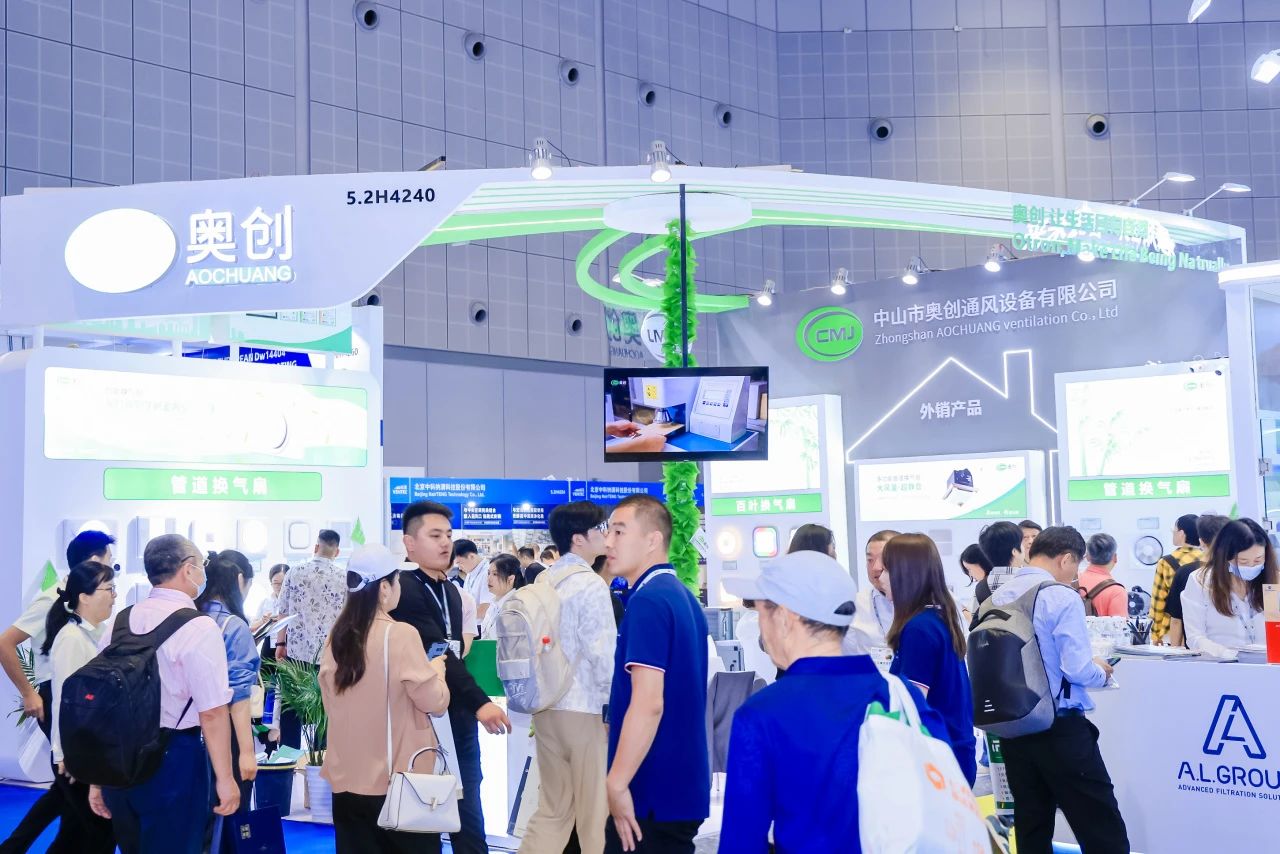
(140, 417)
(794, 463)
(943, 490)
(1165, 436)
(675, 414)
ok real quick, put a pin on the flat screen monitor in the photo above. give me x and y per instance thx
(679, 414)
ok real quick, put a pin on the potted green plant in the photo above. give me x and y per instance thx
(298, 689)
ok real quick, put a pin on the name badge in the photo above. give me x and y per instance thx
(456, 646)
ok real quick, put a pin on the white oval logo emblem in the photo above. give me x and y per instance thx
(122, 250)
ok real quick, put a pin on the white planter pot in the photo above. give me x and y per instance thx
(320, 795)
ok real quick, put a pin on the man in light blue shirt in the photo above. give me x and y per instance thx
(1061, 767)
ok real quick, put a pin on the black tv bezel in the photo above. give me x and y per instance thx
(756, 373)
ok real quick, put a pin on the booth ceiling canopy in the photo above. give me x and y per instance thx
(308, 241)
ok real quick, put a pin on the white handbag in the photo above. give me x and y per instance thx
(417, 802)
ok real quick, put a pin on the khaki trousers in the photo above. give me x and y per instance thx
(572, 755)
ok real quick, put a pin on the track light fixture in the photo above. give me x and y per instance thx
(765, 297)
(998, 257)
(1266, 67)
(1225, 188)
(659, 162)
(840, 282)
(540, 159)
(1198, 8)
(1175, 177)
(914, 270)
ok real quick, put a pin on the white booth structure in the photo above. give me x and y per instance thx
(301, 447)
(1139, 447)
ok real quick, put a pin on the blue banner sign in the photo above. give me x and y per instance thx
(509, 504)
(254, 355)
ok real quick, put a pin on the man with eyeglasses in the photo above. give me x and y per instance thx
(36, 699)
(571, 737)
(166, 812)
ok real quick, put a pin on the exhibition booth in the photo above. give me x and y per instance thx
(1064, 385)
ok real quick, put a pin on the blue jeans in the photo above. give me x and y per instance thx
(170, 811)
(466, 740)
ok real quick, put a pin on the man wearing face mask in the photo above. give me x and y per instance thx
(793, 752)
(163, 813)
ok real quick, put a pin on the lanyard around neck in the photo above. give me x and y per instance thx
(444, 607)
(652, 575)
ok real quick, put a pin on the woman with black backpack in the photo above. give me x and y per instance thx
(71, 641)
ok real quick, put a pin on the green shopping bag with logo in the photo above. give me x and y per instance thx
(912, 796)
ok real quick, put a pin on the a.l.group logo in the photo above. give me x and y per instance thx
(829, 334)
(120, 251)
(1231, 725)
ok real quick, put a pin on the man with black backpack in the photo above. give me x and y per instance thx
(1030, 663)
(132, 719)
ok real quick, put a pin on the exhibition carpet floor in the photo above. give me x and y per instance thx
(299, 837)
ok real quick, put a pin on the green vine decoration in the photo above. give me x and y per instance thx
(680, 479)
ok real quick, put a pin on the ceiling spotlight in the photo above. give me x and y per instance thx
(1086, 255)
(1175, 177)
(540, 159)
(840, 283)
(1225, 188)
(1266, 67)
(765, 297)
(659, 162)
(997, 257)
(1198, 8)
(914, 270)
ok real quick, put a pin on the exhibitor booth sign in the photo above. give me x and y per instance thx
(974, 353)
(1204, 773)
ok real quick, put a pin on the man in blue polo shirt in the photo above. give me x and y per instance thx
(793, 751)
(659, 781)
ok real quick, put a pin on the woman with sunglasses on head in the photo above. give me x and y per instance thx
(72, 630)
(1222, 603)
(375, 677)
(927, 641)
(227, 577)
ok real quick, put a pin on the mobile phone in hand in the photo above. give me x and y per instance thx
(438, 649)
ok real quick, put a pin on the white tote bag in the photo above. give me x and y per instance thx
(417, 802)
(912, 796)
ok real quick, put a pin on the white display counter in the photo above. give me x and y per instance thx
(1193, 748)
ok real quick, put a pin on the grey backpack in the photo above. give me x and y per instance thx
(1011, 693)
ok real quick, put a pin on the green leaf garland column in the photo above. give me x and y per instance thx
(680, 479)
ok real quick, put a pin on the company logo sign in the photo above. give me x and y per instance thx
(829, 334)
(126, 249)
(1233, 738)
(120, 251)
(1232, 726)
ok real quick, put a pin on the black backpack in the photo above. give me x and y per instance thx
(109, 719)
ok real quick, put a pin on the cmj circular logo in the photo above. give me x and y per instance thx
(829, 334)
(121, 250)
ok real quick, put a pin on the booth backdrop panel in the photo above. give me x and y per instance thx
(982, 382)
(496, 418)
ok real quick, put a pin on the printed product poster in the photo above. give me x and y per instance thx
(939, 490)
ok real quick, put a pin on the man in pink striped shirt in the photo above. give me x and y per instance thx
(169, 811)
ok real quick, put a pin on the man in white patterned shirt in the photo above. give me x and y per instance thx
(315, 592)
(571, 737)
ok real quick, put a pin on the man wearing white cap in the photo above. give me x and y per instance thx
(793, 752)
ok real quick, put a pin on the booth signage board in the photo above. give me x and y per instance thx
(970, 336)
(1131, 237)
(510, 504)
(1127, 489)
(1206, 775)
(991, 488)
(165, 484)
(254, 356)
(804, 502)
(214, 247)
